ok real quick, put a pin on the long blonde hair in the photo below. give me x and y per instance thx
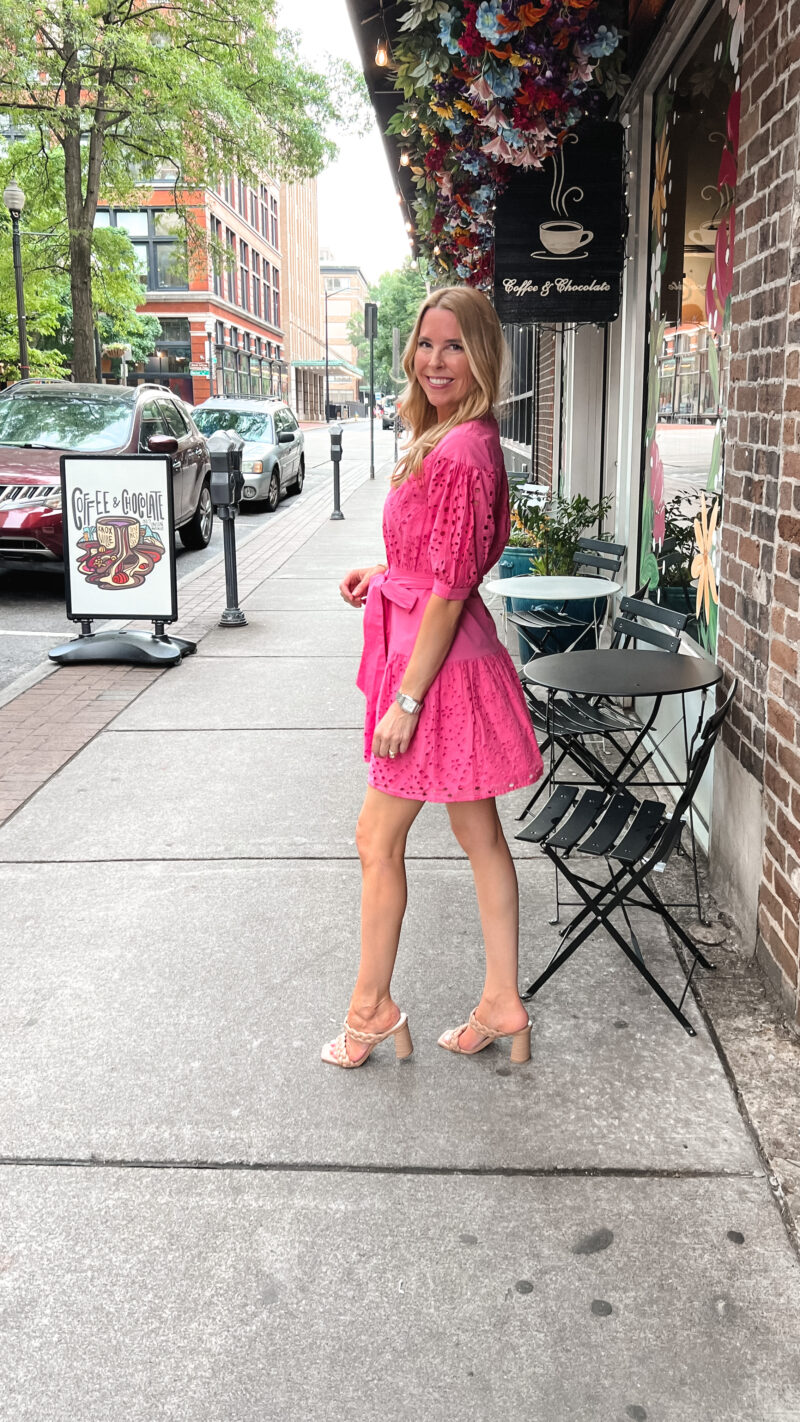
(487, 354)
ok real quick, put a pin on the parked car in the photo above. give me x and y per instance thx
(41, 421)
(273, 459)
(388, 414)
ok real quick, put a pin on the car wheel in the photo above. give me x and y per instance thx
(274, 492)
(197, 532)
(297, 486)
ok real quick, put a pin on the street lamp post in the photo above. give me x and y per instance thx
(209, 330)
(14, 199)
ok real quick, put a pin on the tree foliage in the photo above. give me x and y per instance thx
(125, 88)
(398, 295)
(116, 288)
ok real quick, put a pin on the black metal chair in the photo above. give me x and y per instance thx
(633, 836)
(593, 556)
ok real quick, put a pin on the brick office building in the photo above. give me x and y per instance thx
(230, 313)
(303, 322)
(345, 293)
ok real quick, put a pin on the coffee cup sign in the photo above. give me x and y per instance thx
(560, 231)
(561, 236)
(119, 546)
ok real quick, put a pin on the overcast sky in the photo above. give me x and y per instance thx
(359, 216)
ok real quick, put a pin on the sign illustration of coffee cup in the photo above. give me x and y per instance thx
(569, 212)
(120, 554)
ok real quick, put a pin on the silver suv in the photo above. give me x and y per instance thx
(273, 458)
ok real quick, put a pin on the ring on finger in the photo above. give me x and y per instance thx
(392, 754)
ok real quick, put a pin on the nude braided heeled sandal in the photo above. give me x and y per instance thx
(520, 1041)
(335, 1052)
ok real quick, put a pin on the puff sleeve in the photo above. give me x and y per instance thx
(461, 497)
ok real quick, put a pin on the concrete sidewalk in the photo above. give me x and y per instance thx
(201, 1221)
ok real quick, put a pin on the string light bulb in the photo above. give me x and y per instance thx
(404, 158)
(382, 54)
(409, 227)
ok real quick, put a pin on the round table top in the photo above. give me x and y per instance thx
(619, 672)
(566, 588)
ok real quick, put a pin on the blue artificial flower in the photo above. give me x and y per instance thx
(604, 42)
(446, 22)
(487, 20)
(470, 162)
(503, 82)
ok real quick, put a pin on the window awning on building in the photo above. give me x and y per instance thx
(335, 362)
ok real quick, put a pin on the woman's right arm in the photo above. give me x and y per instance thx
(355, 584)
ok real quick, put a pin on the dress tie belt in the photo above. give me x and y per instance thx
(403, 590)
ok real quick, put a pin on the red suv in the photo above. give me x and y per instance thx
(40, 422)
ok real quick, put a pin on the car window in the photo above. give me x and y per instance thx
(280, 418)
(291, 422)
(174, 417)
(253, 426)
(152, 423)
(65, 421)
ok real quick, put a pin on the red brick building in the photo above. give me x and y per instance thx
(222, 319)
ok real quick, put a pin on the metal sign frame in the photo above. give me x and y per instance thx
(117, 562)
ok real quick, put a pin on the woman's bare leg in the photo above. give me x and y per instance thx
(381, 835)
(476, 826)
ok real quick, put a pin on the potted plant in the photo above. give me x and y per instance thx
(543, 540)
(674, 557)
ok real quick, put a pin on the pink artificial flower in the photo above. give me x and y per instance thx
(480, 90)
(495, 118)
(497, 148)
(657, 493)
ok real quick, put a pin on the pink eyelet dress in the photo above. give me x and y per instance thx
(444, 528)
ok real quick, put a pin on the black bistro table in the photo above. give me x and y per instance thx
(617, 671)
(622, 672)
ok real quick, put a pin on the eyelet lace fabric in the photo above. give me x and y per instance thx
(444, 529)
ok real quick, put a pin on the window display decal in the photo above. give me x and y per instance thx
(695, 156)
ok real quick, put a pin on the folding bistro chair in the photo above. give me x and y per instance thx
(634, 837)
(593, 557)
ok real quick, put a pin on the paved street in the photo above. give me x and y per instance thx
(202, 1221)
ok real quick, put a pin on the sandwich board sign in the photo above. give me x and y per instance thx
(119, 556)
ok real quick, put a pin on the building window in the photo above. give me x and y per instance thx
(264, 201)
(256, 289)
(276, 297)
(230, 242)
(267, 291)
(253, 209)
(226, 192)
(273, 221)
(159, 244)
(216, 273)
(244, 275)
(242, 197)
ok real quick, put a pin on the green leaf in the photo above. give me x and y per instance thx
(716, 459)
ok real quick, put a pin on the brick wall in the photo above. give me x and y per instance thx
(759, 627)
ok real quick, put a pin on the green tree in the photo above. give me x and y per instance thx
(398, 295)
(122, 88)
(45, 248)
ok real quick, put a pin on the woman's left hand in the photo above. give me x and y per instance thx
(394, 731)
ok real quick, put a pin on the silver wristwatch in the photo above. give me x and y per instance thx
(408, 703)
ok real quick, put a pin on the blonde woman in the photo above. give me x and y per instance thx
(446, 719)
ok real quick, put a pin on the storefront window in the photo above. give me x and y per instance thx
(695, 150)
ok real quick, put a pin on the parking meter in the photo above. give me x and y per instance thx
(336, 456)
(227, 482)
(227, 479)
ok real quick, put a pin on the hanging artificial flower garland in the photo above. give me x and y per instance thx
(488, 87)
